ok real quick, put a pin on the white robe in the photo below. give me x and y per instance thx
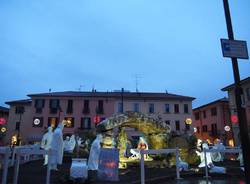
(94, 153)
(57, 145)
(208, 156)
(46, 142)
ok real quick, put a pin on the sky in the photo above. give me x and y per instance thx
(154, 46)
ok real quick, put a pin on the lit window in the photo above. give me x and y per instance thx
(70, 122)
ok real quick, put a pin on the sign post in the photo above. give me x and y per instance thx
(234, 49)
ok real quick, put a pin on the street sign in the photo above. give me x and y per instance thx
(234, 48)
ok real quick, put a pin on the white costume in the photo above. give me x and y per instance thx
(46, 143)
(218, 157)
(57, 145)
(94, 153)
(69, 144)
(202, 156)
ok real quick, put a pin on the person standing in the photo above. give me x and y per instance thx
(46, 143)
(57, 146)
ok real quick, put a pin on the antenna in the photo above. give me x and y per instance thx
(137, 77)
(80, 87)
(49, 90)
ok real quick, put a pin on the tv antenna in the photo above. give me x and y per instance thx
(137, 77)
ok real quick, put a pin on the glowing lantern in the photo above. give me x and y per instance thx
(97, 119)
(234, 118)
(37, 121)
(227, 128)
(2, 121)
(3, 129)
(14, 140)
(188, 121)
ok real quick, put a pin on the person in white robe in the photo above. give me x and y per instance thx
(94, 153)
(46, 143)
(202, 156)
(57, 146)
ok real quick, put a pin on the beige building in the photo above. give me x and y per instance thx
(245, 84)
(30, 118)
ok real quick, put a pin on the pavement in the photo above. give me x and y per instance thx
(35, 173)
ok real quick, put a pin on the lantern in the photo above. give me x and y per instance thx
(3, 129)
(97, 119)
(234, 118)
(188, 121)
(37, 121)
(227, 128)
(2, 121)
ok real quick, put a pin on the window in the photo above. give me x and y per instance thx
(39, 105)
(19, 109)
(151, 108)
(167, 122)
(214, 129)
(136, 107)
(187, 126)
(186, 108)
(176, 108)
(213, 111)
(204, 114)
(37, 122)
(167, 108)
(85, 107)
(120, 107)
(99, 109)
(70, 107)
(54, 105)
(52, 121)
(197, 116)
(85, 123)
(177, 125)
(70, 122)
(204, 128)
(18, 125)
(248, 93)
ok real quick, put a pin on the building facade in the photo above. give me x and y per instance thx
(245, 84)
(30, 118)
(212, 122)
(4, 114)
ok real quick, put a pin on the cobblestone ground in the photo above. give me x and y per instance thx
(35, 173)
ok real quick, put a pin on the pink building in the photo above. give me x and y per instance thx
(30, 118)
(210, 121)
(245, 84)
(4, 114)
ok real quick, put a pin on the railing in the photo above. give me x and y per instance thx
(6, 152)
(159, 151)
(228, 150)
(18, 152)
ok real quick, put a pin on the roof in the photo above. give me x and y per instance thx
(24, 101)
(243, 81)
(126, 95)
(212, 103)
(4, 109)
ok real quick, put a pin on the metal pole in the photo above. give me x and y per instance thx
(238, 92)
(5, 165)
(206, 169)
(142, 168)
(177, 164)
(16, 169)
(122, 99)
